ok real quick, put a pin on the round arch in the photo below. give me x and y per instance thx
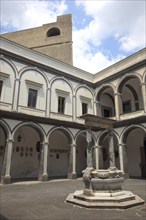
(61, 78)
(102, 88)
(36, 127)
(84, 86)
(125, 78)
(127, 130)
(26, 154)
(60, 152)
(54, 31)
(133, 137)
(65, 131)
(25, 69)
(104, 162)
(11, 64)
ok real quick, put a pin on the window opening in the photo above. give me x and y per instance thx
(61, 105)
(84, 108)
(1, 85)
(53, 32)
(126, 107)
(32, 98)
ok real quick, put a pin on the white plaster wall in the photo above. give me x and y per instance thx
(2, 148)
(84, 95)
(8, 82)
(81, 161)
(58, 144)
(34, 76)
(25, 161)
(134, 141)
(61, 85)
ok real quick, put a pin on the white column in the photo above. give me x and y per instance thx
(144, 95)
(98, 107)
(48, 102)
(72, 162)
(97, 157)
(121, 157)
(74, 107)
(45, 161)
(16, 95)
(117, 105)
(111, 150)
(6, 178)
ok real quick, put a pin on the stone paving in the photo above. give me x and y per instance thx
(46, 201)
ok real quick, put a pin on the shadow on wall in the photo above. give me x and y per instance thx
(3, 217)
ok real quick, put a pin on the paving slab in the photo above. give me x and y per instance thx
(47, 201)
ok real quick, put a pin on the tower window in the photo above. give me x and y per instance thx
(53, 32)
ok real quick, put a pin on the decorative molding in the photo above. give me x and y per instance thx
(62, 92)
(32, 83)
(3, 75)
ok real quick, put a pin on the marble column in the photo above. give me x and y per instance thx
(98, 107)
(6, 177)
(48, 104)
(74, 107)
(43, 176)
(111, 150)
(125, 159)
(16, 92)
(144, 95)
(89, 148)
(121, 157)
(72, 162)
(96, 157)
(117, 105)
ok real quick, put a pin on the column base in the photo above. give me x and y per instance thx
(72, 176)
(6, 179)
(44, 177)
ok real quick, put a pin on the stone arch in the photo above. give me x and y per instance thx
(144, 77)
(5, 134)
(37, 127)
(61, 78)
(102, 143)
(102, 88)
(26, 154)
(66, 132)
(62, 96)
(129, 88)
(127, 130)
(60, 152)
(84, 97)
(81, 151)
(23, 70)
(132, 137)
(105, 100)
(11, 64)
(125, 78)
(84, 86)
(6, 128)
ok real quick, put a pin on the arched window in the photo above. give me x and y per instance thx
(53, 32)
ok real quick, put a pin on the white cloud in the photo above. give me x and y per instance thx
(125, 19)
(22, 14)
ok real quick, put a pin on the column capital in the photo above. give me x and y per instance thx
(117, 93)
(10, 140)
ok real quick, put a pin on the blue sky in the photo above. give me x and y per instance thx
(104, 31)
